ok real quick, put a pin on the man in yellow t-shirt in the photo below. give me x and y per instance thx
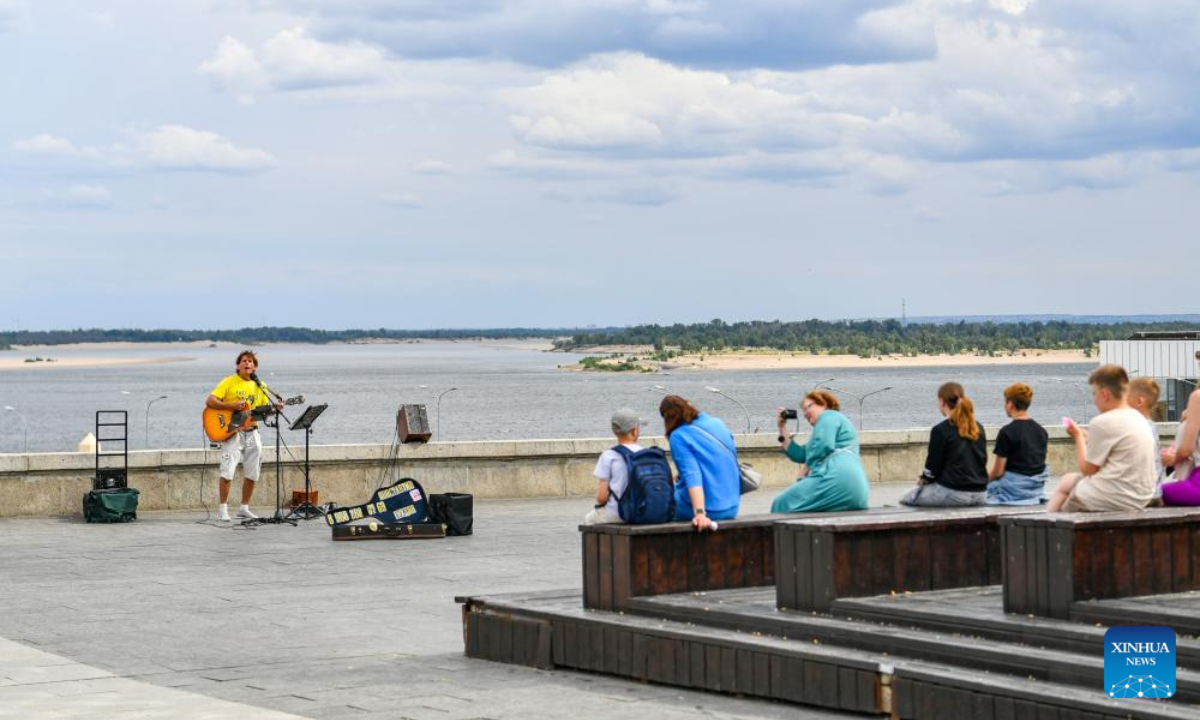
(239, 393)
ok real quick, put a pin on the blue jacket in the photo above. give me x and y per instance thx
(703, 461)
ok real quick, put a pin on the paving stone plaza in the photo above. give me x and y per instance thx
(176, 617)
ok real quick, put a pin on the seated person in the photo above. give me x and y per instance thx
(710, 484)
(611, 470)
(955, 471)
(1018, 474)
(1143, 394)
(1185, 490)
(1177, 466)
(832, 476)
(1115, 454)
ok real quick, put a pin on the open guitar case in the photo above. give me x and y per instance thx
(401, 511)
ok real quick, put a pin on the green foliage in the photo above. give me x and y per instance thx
(869, 338)
(605, 364)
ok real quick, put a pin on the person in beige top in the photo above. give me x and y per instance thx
(1115, 454)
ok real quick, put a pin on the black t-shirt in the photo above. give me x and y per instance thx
(1023, 444)
(955, 462)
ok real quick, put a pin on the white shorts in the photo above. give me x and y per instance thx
(244, 448)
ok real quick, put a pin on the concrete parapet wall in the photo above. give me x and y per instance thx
(53, 484)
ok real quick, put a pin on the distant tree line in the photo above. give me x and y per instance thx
(867, 338)
(259, 335)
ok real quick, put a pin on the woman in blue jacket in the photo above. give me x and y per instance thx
(833, 478)
(709, 486)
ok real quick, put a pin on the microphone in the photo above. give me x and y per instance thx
(267, 390)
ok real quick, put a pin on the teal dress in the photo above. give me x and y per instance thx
(836, 480)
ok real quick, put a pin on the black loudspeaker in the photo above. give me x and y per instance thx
(413, 424)
(454, 510)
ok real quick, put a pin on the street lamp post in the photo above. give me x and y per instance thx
(739, 404)
(817, 385)
(160, 397)
(439, 410)
(24, 426)
(1083, 387)
(861, 399)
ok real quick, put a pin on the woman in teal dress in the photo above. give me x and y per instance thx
(832, 478)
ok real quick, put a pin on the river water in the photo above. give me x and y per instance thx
(503, 392)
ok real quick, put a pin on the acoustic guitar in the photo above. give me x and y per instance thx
(220, 425)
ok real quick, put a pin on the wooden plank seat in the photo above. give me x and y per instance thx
(819, 560)
(626, 561)
(1053, 561)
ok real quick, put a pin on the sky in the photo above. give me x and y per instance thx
(541, 163)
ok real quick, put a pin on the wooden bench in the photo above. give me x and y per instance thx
(1053, 561)
(819, 560)
(625, 561)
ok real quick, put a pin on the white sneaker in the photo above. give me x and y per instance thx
(223, 513)
(244, 513)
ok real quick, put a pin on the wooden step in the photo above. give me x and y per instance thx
(1178, 611)
(752, 610)
(980, 612)
(554, 630)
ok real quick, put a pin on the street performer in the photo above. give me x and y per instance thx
(238, 393)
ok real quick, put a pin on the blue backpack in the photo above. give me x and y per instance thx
(649, 497)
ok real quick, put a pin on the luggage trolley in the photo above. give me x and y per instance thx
(111, 500)
(112, 426)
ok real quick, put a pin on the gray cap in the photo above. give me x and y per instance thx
(625, 420)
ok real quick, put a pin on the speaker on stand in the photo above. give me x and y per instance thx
(412, 421)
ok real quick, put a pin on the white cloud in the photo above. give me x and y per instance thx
(46, 144)
(293, 61)
(175, 147)
(170, 147)
(235, 67)
(634, 105)
(401, 200)
(1013, 81)
(432, 167)
(549, 33)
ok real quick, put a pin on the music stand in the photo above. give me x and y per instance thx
(306, 510)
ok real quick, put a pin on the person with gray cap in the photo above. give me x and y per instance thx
(611, 470)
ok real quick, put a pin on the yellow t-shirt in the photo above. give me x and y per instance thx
(234, 389)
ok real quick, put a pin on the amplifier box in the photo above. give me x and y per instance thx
(413, 424)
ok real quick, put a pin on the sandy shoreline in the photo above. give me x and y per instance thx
(18, 363)
(805, 361)
(787, 361)
(78, 355)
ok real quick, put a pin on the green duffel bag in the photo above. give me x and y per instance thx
(110, 506)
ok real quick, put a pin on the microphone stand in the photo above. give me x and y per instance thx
(278, 518)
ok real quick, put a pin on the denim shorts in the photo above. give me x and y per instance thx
(1016, 489)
